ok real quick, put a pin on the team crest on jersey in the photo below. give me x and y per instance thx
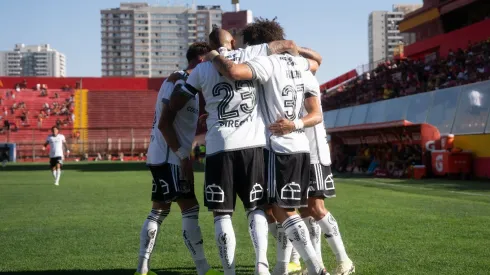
(164, 185)
(329, 182)
(214, 193)
(257, 193)
(291, 191)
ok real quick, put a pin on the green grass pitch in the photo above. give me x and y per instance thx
(90, 224)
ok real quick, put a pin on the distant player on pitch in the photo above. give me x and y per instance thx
(56, 141)
(174, 128)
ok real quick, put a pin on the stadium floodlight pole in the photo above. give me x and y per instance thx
(237, 5)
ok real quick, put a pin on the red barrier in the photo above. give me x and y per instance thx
(340, 79)
(90, 83)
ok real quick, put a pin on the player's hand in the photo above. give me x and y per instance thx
(202, 121)
(187, 170)
(44, 148)
(281, 127)
(67, 153)
(174, 77)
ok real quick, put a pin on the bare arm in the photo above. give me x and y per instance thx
(284, 126)
(67, 148)
(312, 106)
(169, 112)
(283, 46)
(310, 54)
(231, 70)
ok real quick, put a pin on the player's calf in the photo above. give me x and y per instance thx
(149, 233)
(191, 233)
(225, 240)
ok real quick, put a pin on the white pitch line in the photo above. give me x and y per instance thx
(376, 182)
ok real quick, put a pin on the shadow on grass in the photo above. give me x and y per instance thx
(90, 167)
(241, 270)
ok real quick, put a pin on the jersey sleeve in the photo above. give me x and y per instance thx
(166, 91)
(312, 86)
(193, 83)
(303, 63)
(257, 50)
(262, 68)
(63, 139)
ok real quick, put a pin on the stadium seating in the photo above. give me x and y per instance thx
(403, 77)
(120, 118)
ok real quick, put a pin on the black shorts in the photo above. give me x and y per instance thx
(321, 181)
(229, 174)
(288, 179)
(168, 185)
(54, 161)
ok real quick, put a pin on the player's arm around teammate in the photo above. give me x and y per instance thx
(241, 71)
(285, 126)
(177, 101)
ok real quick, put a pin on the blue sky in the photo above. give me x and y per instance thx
(335, 28)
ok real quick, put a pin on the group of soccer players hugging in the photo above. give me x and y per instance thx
(266, 143)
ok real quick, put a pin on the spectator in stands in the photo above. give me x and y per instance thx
(24, 118)
(40, 121)
(405, 77)
(1, 100)
(44, 92)
(58, 123)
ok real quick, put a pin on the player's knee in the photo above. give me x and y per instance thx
(221, 215)
(161, 205)
(269, 215)
(304, 212)
(188, 204)
(317, 209)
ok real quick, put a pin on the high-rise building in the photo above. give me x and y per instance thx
(383, 34)
(151, 41)
(32, 60)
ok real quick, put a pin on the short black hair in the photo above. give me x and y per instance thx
(262, 31)
(55, 127)
(196, 49)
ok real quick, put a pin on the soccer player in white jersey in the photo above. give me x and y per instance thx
(234, 149)
(316, 217)
(289, 160)
(173, 132)
(56, 141)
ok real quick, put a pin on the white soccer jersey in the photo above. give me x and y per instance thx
(234, 121)
(282, 95)
(317, 136)
(56, 145)
(249, 53)
(185, 125)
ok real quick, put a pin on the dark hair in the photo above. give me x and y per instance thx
(262, 31)
(55, 127)
(197, 49)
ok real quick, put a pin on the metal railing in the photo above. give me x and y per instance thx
(82, 142)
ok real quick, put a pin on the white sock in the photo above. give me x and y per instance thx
(283, 252)
(191, 232)
(330, 228)
(297, 232)
(54, 173)
(315, 236)
(258, 230)
(58, 175)
(148, 237)
(273, 229)
(294, 257)
(226, 242)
